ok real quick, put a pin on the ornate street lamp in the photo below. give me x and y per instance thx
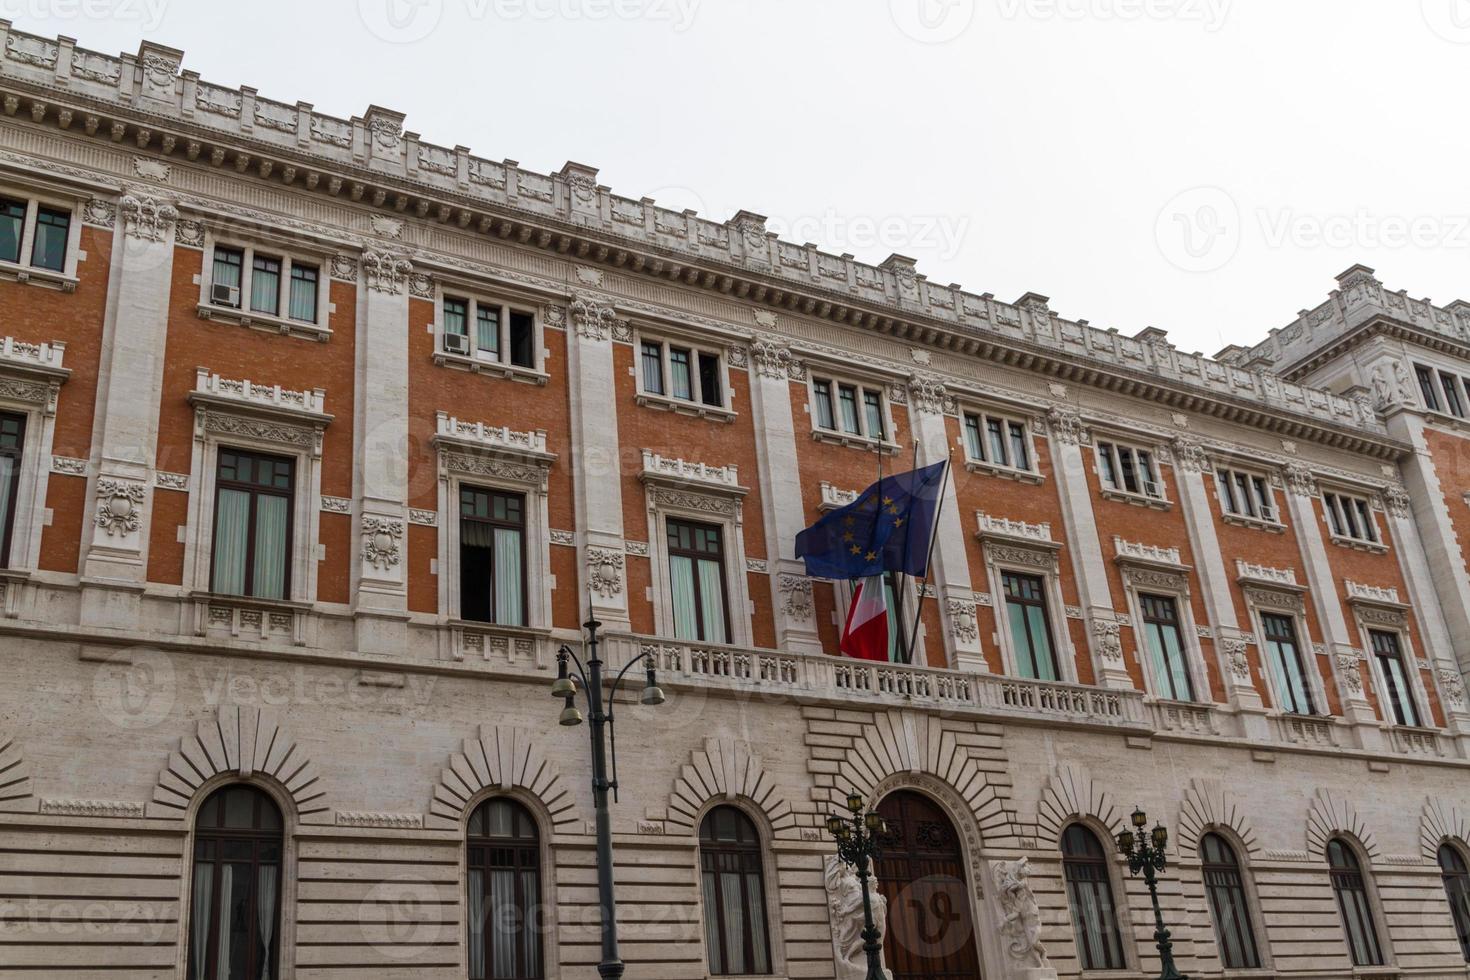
(857, 845)
(600, 711)
(1145, 852)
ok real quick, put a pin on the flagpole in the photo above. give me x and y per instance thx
(929, 561)
(900, 586)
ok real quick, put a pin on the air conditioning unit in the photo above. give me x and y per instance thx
(1268, 514)
(457, 343)
(1152, 489)
(223, 295)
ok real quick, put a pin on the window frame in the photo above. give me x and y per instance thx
(667, 496)
(38, 369)
(1167, 581)
(694, 405)
(537, 846)
(1339, 521)
(468, 486)
(24, 269)
(505, 305)
(290, 255)
(755, 855)
(1459, 915)
(1260, 484)
(1108, 448)
(1188, 646)
(721, 559)
(254, 490)
(1424, 375)
(1264, 600)
(1383, 684)
(983, 414)
(1339, 877)
(1249, 919)
(886, 442)
(1036, 557)
(8, 518)
(1106, 865)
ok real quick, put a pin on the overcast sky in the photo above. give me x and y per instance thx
(1205, 166)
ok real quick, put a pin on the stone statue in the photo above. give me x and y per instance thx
(845, 908)
(1020, 921)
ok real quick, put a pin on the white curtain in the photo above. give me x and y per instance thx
(265, 288)
(7, 474)
(734, 922)
(477, 924)
(686, 619)
(303, 295)
(502, 921)
(199, 919)
(271, 516)
(231, 525)
(226, 907)
(265, 915)
(757, 913)
(712, 924)
(531, 923)
(712, 602)
(508, 611)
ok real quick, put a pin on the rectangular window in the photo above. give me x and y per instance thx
(304, 282)
(681, 381)
(1284, 660)
(1245, 495)
(228, 266)
(48, 251)
(265, 285)
(847, 401)
(1452, 400)
(252, 525)
(455, 316)
(492, 557)
(12, 441)
(653, 368)
(697, 580)
(1166, 647)
(849, 408)
(1030, 626)
(1128, 470)
(709, 381)
(522, 339)
(487, 330)
(1020, 449)
(501, 334)
(974, 445)
(997, 440)
(873, 414)
(1426, 387)
(12, 229)
(823, 394)
(1399, 694)
(1350, 517)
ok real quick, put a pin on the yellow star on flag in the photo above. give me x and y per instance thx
(872, 556)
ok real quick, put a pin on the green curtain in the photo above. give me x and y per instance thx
(712, 602)
(686, 619)
(271, 521)
(508, 610)
(231, 525)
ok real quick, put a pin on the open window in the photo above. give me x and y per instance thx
(267, 284)
(682, 376)
(488, 334)
(40, 239)
(1129, 473)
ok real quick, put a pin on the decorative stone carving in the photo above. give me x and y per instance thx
(423, 518)
(639, 549)
(796, 596)
(772, 359)
(147, 218)
(189, 233)
(381, 538)
(1347, 666)
(1065, 426)
(151, 169)
(605, 571)
(1190, 456)
(344, 267)
(1233, 647)
(119, 506)
(1372, 593)
(1396, 500)
(845, 910)
(171, 481)
(1109, 639)
(159, 74)
(385, 272)
(92, 808)
(1300, 481)
(1020, 919)
(1005, 554)
(1452, 687)
(99, 212)
(386, 227)
(336, 505)
(421, 286)
(928, 394)
(962, 624)
(593, 319)
(566, 539)
(68, 465)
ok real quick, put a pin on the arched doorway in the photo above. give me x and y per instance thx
(931, 935)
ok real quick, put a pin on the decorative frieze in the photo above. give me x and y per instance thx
(171, 481)
(380, 821)
(1146, 553)
(757, 565)
(668, 469)
(68, 466)
(423, 518)
(336, 505)
(565, 539)
(92, 808)
(498, 438)
(638, 549)
(1373, 593)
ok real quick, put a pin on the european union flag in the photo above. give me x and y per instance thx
(886, 529)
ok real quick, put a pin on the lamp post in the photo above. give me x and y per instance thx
(600, 713)
(1145, 852)
(857, 845)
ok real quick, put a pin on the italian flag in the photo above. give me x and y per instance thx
(865, 634)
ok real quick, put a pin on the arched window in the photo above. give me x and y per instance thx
(1226, 892)
(1090, 892)
(734, 893)
(235, 905)
(1352, 901)
(1457, 889)
(503, 866)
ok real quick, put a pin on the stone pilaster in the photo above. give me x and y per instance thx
(381, 437)
(1069, 466)
(771, 368)
(929, 403)
(126, 432)
(599, 494)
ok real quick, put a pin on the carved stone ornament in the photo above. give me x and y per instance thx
(1347, 666)
(593, 319)
(845, 912)
(344, 267)
(1233, 647)
(1020, 919)
(1065, 426)
(99, 212)
(796, 596)
(386, 273)
(605, 571)
(147, 218)
(962, 623)
(1396, 500)
(119, 506)
(1300, 481)
(928, 394)
(381, 537)
(1109, 639)
(1452, 687)
(421, 286)
(1190, 456)
(190, 233)
(159, 73)
(772, 359)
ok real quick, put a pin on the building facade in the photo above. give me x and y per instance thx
(317, 440)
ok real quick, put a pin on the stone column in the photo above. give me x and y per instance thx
(126, 428)
(1069, 466)
(595, 445)
(1346, 655)
(929, 403)
(771, 369)
(381, 449)
(1191, 480)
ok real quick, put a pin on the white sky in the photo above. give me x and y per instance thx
(1008, 145)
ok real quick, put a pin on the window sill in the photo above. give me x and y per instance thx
(1137, 499)
(1372, 547)
(225, 598)
(45, 278)
(681, 407)
(498, 369)
(1241, 520)
(264, 321)
(1005, 472)
(855, 442)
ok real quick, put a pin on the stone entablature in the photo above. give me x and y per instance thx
(373, 159)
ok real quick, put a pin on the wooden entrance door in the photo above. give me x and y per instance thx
(922, 875)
